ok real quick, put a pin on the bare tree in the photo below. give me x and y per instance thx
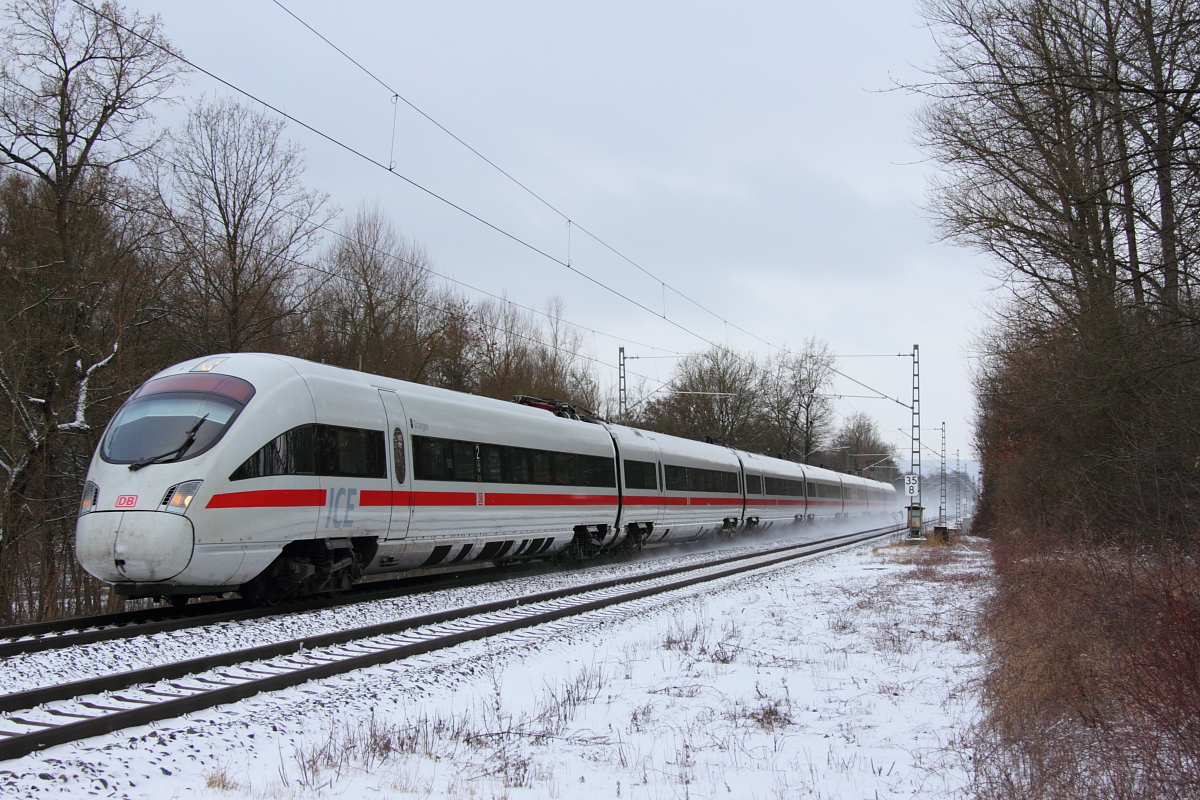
(560, 370)
(713, 395)
(453, 363)
(505, 338)
(1068, 132)
(1068, 135)
(859, 446)
(76, 93)
(797, 414)
(241, 224)
(379, 308)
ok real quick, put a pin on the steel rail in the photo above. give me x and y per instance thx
(287, 664)
(144, 622)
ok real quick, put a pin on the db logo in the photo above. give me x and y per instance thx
(126, 500)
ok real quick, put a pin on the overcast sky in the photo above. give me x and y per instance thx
(748, 154)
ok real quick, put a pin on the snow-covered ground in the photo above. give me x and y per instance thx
(54, 667)
(848, 675)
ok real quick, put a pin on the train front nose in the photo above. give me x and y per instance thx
(118, 546)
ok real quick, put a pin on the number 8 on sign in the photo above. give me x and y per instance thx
(912, 485)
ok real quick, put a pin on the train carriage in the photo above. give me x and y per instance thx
(774, 490)
(273, 476)
(524, 480)
(702, 490)
(642, 492)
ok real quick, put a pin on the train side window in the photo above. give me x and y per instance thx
(433, 459)
(595, 471)
(398, 453)
(753, 484)
(633, 474)
(562, 469)
(785, 487)
(518, 465)
(696, 479)
(464, 461)
(327, 450)
(676, 478)
(491, 463)
(812, 489)
(541, 467)
(350, 452)
(640, 475)
(289, 453)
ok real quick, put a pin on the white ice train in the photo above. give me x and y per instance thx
(273, 477)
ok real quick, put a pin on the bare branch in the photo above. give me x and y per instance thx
(80, 423)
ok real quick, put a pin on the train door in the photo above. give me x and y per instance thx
(398, 469)
(745, 512)
(658, 509)
(808, 496)
(351, 458)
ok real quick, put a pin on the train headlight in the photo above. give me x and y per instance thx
(178, 498)
(91, 496)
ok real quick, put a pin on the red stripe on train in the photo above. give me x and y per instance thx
(514, 499)
(444, 498)
(369, 498)
(302, 498)
(454, 499)
(269, 498)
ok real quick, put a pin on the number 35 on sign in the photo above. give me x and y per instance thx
(912, 485)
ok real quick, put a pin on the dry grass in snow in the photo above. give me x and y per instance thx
(847, 676)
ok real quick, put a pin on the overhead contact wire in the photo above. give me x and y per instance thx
(430, 306)
(363, 156)
(431, 271)
(564, 215)
(327, 137)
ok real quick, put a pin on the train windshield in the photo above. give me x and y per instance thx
(174, 418)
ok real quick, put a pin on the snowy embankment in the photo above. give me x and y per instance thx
(845, 676)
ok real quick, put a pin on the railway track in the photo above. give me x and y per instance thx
(40, 636)
(39, 718)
